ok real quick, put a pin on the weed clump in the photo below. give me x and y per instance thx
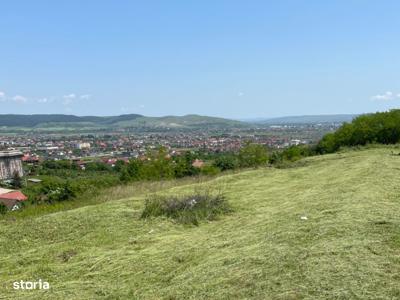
(186, 209)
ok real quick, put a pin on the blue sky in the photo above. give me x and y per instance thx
(237, 59)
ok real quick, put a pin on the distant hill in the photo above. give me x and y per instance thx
(36, 120)
(58, 122)
(311, 119)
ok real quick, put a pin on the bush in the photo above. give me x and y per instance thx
(226, 162)
(3, 209)
(382, 128)
(188, 209)
(97, 167)
(253, 155)
(54, 191)
(210, 170)
(16, 180)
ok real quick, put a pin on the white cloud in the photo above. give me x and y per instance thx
(240, 94)
(70, 96)
(68, 99)
(43, 100)
(85, 97)
(19, 99)
(65, 99)
(387, 96)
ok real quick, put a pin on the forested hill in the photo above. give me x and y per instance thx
(12, 120)
(59, 121)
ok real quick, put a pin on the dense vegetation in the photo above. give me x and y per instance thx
(381, 128)
(66, 180)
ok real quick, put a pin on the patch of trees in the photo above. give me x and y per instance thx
(64, 180)
(381, 128)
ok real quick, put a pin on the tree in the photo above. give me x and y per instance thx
(371, 128)
(158, 165)
(119, 165)
(16, 180)
(226, 162)
(133, 171)
(253, 155)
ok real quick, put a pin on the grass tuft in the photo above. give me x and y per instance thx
(186, 209)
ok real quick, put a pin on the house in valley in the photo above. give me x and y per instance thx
(12, 199)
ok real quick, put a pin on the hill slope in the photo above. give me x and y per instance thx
(348, 248)
(68, 122)
(311, 119)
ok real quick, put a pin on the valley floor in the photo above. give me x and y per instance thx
(347, 247)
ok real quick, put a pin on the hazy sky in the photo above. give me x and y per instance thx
(237, 59)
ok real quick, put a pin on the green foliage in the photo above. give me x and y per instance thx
(382, 128)
(16, 180)
(226, 162)
(183, 165)
(253, 155)
(59, 164)
(55, 191)
(157, 166)
(327, 144)
(132, 171)
(188, 209)
(3, 209)
(119, 165)
(294, 153)
(210, 170)
(97, 167)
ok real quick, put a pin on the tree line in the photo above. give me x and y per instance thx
(64, 179)
(380, 128)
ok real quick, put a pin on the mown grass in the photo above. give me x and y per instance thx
(347, 248)
(104, 195)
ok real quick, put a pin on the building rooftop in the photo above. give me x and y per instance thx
(11, 153)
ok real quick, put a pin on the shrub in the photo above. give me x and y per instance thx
(226, 162)
(55, 191)
(253, 155)
(16, 180)
(3, 209)
(382, 128)
(210, 170)
(188, 209)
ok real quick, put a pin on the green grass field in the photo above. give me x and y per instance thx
(348, 248)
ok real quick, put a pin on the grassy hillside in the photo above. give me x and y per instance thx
(348, 248)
